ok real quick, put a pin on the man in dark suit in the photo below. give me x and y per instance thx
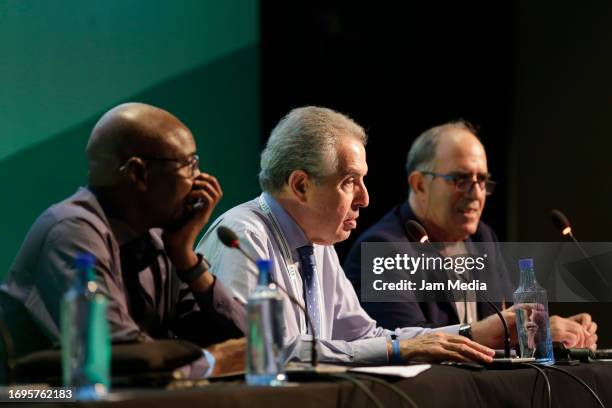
(449, 181)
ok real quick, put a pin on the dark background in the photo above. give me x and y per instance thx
(533, 76)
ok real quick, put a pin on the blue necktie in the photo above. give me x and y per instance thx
(311, 289)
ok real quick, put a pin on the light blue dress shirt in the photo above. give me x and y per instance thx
(348, 334)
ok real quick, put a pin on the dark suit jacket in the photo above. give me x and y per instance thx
(391, 228)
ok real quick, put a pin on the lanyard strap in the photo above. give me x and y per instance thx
(287, 257)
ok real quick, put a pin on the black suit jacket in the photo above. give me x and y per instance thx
(391, 228)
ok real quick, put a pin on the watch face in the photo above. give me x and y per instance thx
(465, 331)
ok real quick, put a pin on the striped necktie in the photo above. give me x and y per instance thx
(311, 289)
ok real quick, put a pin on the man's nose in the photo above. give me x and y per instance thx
(361, 199)
(476, 190)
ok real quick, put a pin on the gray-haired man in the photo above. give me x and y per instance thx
(312, 172)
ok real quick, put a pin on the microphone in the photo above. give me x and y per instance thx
(417, 233)
(562, 224)
(230, 239)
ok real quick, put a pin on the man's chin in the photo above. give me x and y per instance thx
(469, 229)
(339, 236)
(343, 235)
(176, 222)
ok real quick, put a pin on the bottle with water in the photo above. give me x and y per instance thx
(532, 322)
(265, 357)
(85, 335)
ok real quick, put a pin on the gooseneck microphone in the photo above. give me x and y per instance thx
(417, 233)
(230, 239)
(562, 224)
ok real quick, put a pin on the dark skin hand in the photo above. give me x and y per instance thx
(179, 242)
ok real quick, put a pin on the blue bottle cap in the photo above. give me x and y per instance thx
(85, 261)
(263, 265)
(264, 271)
(526, 263)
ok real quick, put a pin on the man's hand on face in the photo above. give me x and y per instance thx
(490, 331)
(441, 346)
(230, 356)
(179, 242)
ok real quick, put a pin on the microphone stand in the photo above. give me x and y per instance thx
(417, 233)
(314, 357)
(561, 222)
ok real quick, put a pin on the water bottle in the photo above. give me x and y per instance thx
(532, 322)
(85, 334)
(265, 357)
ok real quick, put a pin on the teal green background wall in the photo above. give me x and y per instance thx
(65, 63)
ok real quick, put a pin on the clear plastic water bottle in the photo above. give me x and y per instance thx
(85, 334)
(265, 357)
(532, 321)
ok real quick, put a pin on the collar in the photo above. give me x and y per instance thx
(291, 230)
(122, 232)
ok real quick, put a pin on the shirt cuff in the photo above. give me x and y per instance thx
(371, 351)
(211, 362)
(205, 299)
(454, 329)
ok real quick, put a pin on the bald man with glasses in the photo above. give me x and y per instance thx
(144, 205)
(449, 182)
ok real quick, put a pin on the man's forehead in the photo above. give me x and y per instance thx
(351, 157)
(459, 145)
(178, 140)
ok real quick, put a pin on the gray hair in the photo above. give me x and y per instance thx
(423, 150)
(305, 139)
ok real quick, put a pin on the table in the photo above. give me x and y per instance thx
(440, 386)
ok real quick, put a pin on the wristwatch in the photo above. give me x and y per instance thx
(195, 272)
(465, 330)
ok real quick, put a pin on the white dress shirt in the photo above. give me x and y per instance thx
(267, 231)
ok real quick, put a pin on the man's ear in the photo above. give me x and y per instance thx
(416, 181)
(136, 171)
(299, 183)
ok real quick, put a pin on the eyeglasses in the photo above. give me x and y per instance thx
(192, 163)
(465, 181)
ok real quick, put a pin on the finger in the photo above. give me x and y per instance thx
(206, 185)
(469, 352)
(580, 343)
(209, 188)
(583, 318)
(212, 180)
(573, 327)
(592, 329)
(206, 198)
(463, 344)
(569, 339)
(590, 340)
(449, 355)
(477, 346)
